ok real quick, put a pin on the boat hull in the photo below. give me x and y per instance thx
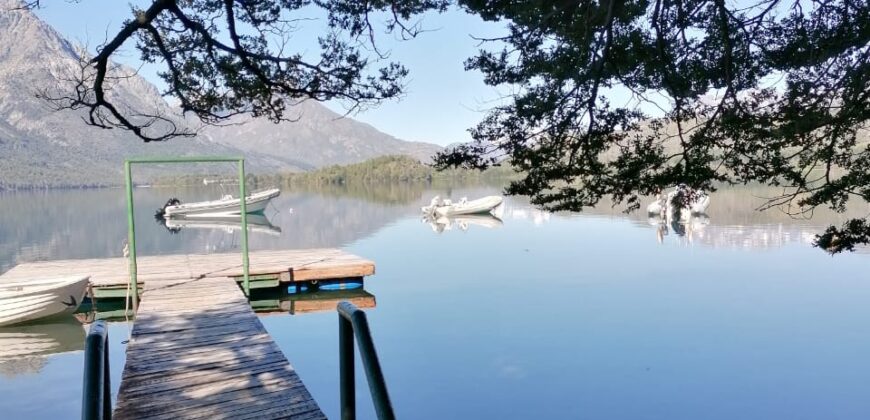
(480, 206)
(28, 301)
(254, 203)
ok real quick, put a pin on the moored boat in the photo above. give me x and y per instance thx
(667, 205)
(41, 298)
(254, 203)
(447, 208)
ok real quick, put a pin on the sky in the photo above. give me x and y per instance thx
(442, 100)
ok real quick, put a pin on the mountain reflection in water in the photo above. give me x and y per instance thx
(60, 224)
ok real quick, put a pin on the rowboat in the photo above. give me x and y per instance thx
(34, 299)
(447, 208)
(254, 203)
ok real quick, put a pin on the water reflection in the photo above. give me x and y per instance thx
(630, 340)
(687, 228)
(445, 223)
(45, 225)
(24, 348)
(733, 221)
(522, 211)
(272, 302)
(257, 223)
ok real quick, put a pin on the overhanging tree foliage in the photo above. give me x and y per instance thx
(221, 58)
(769, 91)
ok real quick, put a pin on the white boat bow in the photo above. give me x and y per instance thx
(40, 298)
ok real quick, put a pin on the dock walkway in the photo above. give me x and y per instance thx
(197, 349)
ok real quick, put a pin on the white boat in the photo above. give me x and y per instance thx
(34, 299)
(657, 206)
(229, 223)
(665, 205)
(447, 208)
(699, 206)
(254, 203)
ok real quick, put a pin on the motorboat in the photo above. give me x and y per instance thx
(227, 205)
(230, 223)
(666, 206)
(446, 208)
(40, 298)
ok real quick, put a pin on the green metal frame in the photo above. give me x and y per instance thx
(131, 225)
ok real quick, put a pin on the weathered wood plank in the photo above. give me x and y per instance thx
(210, 357)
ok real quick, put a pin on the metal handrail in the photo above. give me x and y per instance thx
(97, 390)
(352, 321)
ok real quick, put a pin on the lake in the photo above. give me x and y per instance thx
(594, 315)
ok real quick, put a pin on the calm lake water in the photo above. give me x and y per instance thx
(596, 315)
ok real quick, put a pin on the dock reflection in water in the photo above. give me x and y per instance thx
(307, 298)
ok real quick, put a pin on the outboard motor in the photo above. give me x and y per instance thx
(160, 215)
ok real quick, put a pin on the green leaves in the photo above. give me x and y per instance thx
(774, 92)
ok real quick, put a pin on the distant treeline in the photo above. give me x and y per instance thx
(381, 170)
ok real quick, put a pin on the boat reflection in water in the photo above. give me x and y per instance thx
(24, 348)
(308, 297)
(257, 223)
(440, 224)
(687, 228)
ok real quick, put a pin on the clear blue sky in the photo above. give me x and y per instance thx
(441, 102)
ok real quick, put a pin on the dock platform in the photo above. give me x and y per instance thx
(268, 269)
(197, 349)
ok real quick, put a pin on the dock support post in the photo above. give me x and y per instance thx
(244, 199)
(131, 235)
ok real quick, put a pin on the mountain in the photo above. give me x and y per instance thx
(43, 148)
(316, 135)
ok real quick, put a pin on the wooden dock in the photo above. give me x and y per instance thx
(197, 349)
(268, 269)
